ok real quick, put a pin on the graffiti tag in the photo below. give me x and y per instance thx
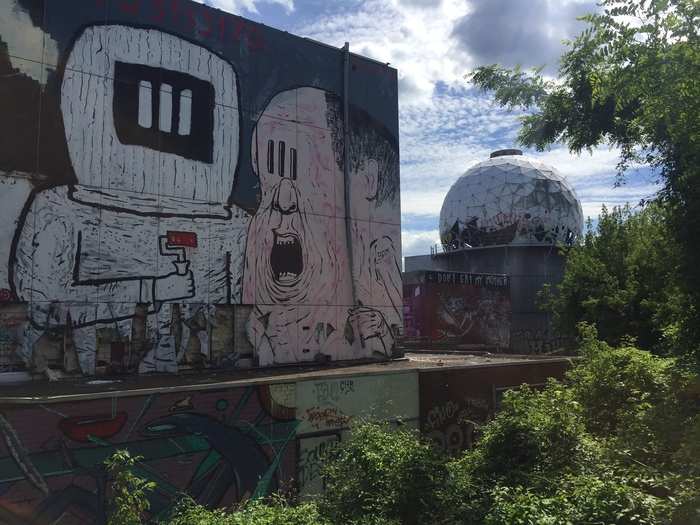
(328, 392)
(322, 418)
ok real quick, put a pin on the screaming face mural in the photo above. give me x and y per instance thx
(186, 204)
(310, 305)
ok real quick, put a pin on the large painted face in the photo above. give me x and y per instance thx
(145, 111)
(296, 245)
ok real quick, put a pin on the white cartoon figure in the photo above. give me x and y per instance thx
(152, 129)
(309, 304)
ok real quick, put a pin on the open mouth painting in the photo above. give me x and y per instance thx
(286, 258)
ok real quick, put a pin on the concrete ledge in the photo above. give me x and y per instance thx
(40, 392)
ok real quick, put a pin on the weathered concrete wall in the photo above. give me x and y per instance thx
(167, 169)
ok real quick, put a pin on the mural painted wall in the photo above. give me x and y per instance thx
(218, 446)
(173, 192)
(457, 307)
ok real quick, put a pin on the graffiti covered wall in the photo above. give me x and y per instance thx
(457, 307)
(326, 409)
(219, 447)
(173, 192)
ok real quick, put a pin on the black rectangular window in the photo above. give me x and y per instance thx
(271, 156)
(164, 110)
(293, 162)
(282, 152)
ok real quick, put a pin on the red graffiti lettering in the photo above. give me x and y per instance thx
(326, 417)
(207, 24)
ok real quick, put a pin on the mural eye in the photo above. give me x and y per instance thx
(293, 162)
(271, 156)
(282, 154)
(164, 110)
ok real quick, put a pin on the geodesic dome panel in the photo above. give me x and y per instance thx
(510, 200)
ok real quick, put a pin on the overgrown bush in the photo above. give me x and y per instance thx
(623, 279)
(383, 474)
(129, 499)
(536, 437)
(272, 512)
(578, 499)
(617, 443)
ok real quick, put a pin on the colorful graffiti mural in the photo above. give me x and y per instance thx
(174, 174)
(458, 307)
(219, 447)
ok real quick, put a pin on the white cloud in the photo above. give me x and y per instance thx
(446, 125)
(511, 32)
(250, 6)
(412, 35)
(418, 242)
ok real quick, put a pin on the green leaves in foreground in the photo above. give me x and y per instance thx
(617, 443)
(273, 512)
(389, 475)
(129, 492)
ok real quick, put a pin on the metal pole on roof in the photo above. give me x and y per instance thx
(346, 174)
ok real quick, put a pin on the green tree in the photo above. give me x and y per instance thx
(623, 279)
(630, 80)
(129, 499)
(383, 475)
(276, 511)
(616, 443)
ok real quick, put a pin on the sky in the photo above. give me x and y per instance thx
(446, 125)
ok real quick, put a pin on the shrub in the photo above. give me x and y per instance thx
(129, 492)
(537, 436)
(272, 512)
(380, 474)
(579, 499)
(616, 387)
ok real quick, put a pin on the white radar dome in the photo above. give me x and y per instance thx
(510, 199)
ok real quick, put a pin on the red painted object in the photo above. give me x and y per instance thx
(81, 428)
(182, 239)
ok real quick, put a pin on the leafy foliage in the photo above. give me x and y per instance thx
(383, 473)
(623, 279)
(129, 492)
(629, 80)
(537, 437)
(255, 512)
(612, 445)
(617, 442)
